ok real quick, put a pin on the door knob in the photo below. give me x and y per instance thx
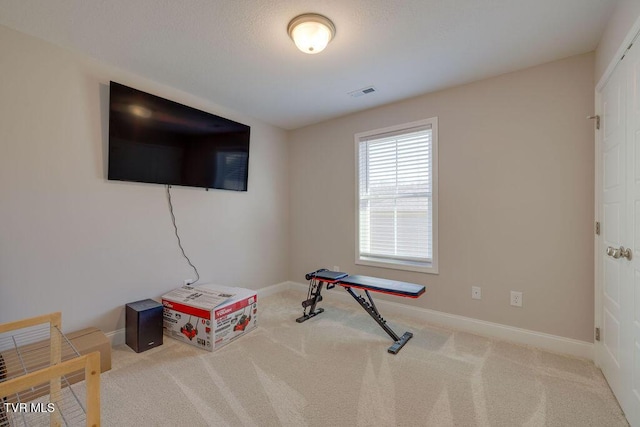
(626, 253)
(613, 252)
(619, 252)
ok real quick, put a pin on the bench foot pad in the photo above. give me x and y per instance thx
(395, 348)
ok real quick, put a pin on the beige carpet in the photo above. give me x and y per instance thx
(334, 370)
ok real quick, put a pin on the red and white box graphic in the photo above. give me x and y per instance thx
(209, 316)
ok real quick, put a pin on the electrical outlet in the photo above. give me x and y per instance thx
(516, 298)
(476, 292)
(336, 268)
(187, 281)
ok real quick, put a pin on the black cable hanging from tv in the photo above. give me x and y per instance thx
(175, 227)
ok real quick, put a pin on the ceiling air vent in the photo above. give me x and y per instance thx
(363, 91)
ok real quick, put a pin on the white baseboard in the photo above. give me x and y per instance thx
(116, 337)
(540, 340)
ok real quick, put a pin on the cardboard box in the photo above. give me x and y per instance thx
(92, 339)
(209, 316)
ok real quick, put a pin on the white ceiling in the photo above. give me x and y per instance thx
(237, 53)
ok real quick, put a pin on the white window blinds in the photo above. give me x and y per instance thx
(395, 195)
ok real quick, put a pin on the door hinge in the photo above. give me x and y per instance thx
(598, 228)
(597, 119)
(597, 334)
(626, 51)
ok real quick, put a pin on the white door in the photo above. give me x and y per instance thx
(631, 329)
(612, 209)
(619, 210)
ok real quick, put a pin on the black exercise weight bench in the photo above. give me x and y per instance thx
(319, 278)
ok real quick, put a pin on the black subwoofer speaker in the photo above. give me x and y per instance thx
(143, 325)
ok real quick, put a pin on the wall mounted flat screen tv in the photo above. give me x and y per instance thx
(155, 140)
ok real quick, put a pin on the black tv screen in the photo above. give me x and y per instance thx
(155, 140)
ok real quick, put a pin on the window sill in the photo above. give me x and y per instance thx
(429, 268)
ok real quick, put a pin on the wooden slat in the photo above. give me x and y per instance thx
(53, 318)
(92, 375)
(55, 384)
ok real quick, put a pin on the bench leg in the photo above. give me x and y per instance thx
(310, 315)
(315, 298)
(371, 308)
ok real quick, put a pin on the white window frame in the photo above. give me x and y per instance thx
(423, 267)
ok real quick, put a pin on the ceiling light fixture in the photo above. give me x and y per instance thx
(311, 32)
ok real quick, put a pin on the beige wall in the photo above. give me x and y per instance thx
(72, 241)
(624, 16)
(516, 197)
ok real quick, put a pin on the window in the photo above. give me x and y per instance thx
(397, 215)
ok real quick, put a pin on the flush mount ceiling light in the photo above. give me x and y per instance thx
(311, 32)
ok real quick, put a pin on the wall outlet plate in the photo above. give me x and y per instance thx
(187, 281)
(476, 292)
(516, 299)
